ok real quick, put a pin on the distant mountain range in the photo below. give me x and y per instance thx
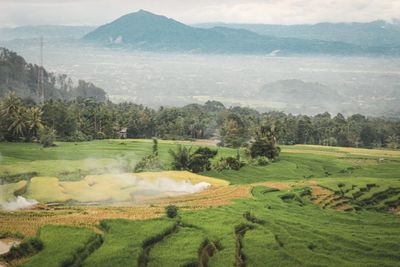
(147, 31)
(143, 30)
(47, 31)
(372, 34)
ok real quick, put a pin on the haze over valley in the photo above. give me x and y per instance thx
(367, 85)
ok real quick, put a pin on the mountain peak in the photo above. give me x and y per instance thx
(142, 11)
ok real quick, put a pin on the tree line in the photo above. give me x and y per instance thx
(84, 119)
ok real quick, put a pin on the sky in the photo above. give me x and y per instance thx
(96, 12)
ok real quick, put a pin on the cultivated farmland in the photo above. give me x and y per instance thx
(315, 206)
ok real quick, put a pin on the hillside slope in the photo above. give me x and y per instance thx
(16, 75)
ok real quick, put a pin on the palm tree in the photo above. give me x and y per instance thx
(18, 125)
(180, 158)
(10, 105)
(34, 120)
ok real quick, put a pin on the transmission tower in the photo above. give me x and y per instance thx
(40, 81)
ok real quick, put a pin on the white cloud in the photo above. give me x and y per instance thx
(92, 12)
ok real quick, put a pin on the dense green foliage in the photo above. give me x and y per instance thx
(264, 144)
(171, 211)
(82, 119)
(198, 161)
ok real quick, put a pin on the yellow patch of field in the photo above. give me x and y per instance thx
(46, 189)
(314, 151)
(7, 191)
(28, 222)
(107, 188)
(348, 150)
(183, 176)
(371, 152)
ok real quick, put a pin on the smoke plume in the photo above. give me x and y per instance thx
(18, 204)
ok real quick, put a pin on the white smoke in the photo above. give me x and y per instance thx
(18, 204)
(164, 184)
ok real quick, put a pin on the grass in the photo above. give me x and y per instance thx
(123, 241)
(62, 246)
(70, 160)
(282, 234)
(185, 242)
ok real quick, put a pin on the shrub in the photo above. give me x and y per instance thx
(78, 136)
(206, 152)
(262, 161)
(306, 192)
(155, 147)
(228, 163)
(100, 135)
(47, 137)
(264, 144)
(200, 159)
(199, 163)
(262, 147)
(196, 162)
(171, 211)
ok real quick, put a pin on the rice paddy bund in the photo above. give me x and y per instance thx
(315, 206)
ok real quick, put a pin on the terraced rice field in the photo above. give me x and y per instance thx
(315, 206)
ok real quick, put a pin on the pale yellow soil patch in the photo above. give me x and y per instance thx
(317, 152)
(110, 188)
(354, 151)
(7, 243)
(182, 176)
(46, 189)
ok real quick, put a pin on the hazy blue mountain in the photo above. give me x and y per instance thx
(47, 31)
(144, 30)
(373, 34)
